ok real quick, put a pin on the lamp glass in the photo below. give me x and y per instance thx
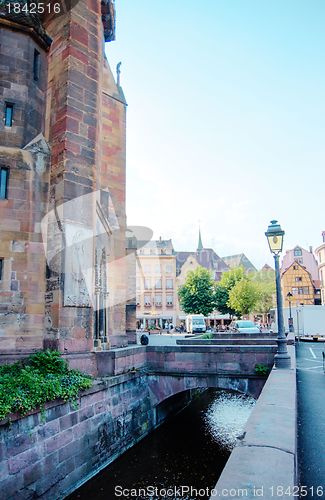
(274, 236)
(275, 242)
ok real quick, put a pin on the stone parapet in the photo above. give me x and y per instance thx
(185, 359)
(226, 341)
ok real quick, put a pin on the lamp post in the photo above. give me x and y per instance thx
(274, 236)
(290, 321)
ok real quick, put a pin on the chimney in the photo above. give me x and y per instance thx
(311, 249)
(323, 235)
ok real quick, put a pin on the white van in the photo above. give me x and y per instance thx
(195, 323)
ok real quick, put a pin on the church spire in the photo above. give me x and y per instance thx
(200, 245)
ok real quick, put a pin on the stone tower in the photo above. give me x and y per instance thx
(76, 287)
(24, 164)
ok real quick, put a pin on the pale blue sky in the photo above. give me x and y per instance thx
(225, 121)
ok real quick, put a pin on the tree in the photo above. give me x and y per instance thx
(222, 299)
(197, 295)
(243, 296)
(230, 278)
(266, 298)
(265, 281)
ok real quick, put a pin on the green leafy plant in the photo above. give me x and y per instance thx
(207, 336)
(43, 377)
(261, 369)
(49, 362)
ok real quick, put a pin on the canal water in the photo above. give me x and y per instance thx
(184, 456)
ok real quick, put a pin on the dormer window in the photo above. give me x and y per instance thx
(9, 112)
(297, 252)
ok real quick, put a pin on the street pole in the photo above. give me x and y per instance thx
(282, 358)
(290, 315)
(291, 327)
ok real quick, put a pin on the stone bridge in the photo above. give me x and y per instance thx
(174, 369)
(141, 386)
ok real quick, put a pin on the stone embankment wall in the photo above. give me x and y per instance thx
(47, 456)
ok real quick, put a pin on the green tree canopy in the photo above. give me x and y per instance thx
(230, 278)
(244, 296)
(265, 281)
(222, 299)
(197, 295)
(266, 298)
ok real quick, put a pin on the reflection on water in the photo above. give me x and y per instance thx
(189, 450)
(226, 417)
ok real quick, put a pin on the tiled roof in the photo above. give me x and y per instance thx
(206, 258)
(239, 260)
(266, 267)
(34, 21)
(28, 20)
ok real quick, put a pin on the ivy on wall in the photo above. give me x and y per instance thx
(44, 376)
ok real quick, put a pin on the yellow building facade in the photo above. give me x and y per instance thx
(156, 285)
(298, 281)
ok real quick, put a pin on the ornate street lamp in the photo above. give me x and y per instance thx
(290, 320)
(274, 236)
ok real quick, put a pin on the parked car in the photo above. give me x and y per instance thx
(244, 326)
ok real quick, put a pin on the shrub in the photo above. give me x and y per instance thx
(207, 336)
(49, 362)
(261, 369)
(43, 377)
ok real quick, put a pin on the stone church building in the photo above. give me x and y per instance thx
(62, 182)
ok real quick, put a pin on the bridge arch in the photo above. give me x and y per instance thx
(164, 386)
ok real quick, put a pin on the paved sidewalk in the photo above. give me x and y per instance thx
(162, 339)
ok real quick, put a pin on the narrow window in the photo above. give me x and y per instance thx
(158, 300)
(169, 283)
(1, 269)
(9, 111)
(36, 65)
(4, 174)
(169, 300)
(158, 284)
